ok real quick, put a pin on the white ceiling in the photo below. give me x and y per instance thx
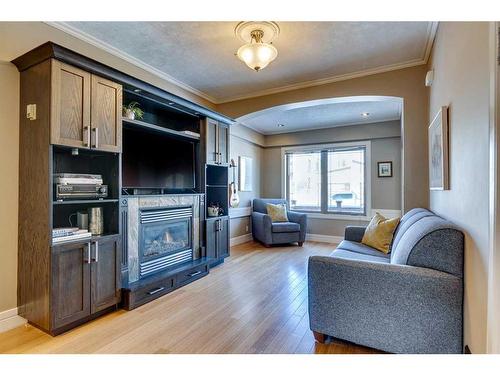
(324, 113)
(200, 55)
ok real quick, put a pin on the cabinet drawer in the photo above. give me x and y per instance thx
(147, 293)
(191, 274)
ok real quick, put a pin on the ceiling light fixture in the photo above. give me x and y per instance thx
(281, 125)
(258, 51)
(365, 114)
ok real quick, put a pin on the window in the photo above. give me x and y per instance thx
(328, 179)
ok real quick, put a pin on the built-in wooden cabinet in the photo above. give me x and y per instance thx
(217, 238)
(70, 105)
(85, 279)
(105, 273)
(85, 109)
(70, 283)
(105, 115)
(217, 142)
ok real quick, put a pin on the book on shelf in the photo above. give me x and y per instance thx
(69, 234)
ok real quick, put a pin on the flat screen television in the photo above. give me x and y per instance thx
(152, 160)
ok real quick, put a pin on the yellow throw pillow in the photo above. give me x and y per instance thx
(379, 233)
(277, 212)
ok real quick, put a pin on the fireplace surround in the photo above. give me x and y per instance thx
(162, 231)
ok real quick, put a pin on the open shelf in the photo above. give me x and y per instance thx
(84, 240)
(161, 129)
(86, 201)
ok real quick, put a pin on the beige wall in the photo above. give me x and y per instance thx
(460, 60)
(385, 145)
(405, 83)
(9, 161)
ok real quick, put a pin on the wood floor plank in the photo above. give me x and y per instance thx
(256, 302)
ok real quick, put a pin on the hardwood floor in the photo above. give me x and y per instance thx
(256, 302)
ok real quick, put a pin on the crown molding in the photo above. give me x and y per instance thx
(389, 119)
(87, 38)
(324, 81)
(431, 33)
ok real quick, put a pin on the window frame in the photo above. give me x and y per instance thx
(324, 213)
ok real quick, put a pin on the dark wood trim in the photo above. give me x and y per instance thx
(319, 337)
(51, 50)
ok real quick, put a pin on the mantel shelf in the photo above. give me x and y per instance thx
(160, 129)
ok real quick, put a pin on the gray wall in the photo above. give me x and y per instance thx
(460, 60)
(385, 143)
(246, 142)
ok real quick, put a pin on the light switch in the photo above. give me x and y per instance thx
(31, 112)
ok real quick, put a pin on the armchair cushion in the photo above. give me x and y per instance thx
(285, 227)
(277, 212)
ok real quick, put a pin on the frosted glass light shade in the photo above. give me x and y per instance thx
(257, 55)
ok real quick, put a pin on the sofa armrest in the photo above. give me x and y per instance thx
(395, 308)
(301, 219)
(262, 227)
(354, 233)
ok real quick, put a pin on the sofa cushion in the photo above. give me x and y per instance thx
(379, 233)
(431, 242)
(346, 254)
(359, 248)
(410, 218)
(285, 227)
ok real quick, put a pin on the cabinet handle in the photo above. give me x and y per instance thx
(96, 258)
(87, 260)
(194, 273)
(86, 136)
(157, 290)
(96, 137)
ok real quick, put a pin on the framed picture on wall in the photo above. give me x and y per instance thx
(384, 168)
(245, 173)
(439, 151)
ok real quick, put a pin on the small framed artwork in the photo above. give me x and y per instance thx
(439, 151)
(245, 173)
(384, 168)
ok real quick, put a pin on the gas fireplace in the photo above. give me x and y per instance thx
(165, 238)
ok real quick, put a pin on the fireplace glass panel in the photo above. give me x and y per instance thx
(164, 238)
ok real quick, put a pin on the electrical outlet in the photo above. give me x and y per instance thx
(31, 112)
(246, 228)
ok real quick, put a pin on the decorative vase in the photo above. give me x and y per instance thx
(130, 114)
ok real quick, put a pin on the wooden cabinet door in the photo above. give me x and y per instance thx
(211, 141)
(223, 238)
(106, 115)
(223, 141)
(70, 295)
(211, 238)
(105, 273)
(70, 106)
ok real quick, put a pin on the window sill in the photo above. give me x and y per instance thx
(386, 213)
(338, 217)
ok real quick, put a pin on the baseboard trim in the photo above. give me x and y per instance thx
(9, 319)
(240, 239)
(323, 238)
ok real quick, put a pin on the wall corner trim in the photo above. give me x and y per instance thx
(9, 319)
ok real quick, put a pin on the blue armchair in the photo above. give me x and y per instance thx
(269, 233)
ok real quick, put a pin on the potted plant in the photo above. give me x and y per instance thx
(132, 111)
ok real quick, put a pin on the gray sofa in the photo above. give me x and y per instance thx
(270, 233)
(409, 301)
